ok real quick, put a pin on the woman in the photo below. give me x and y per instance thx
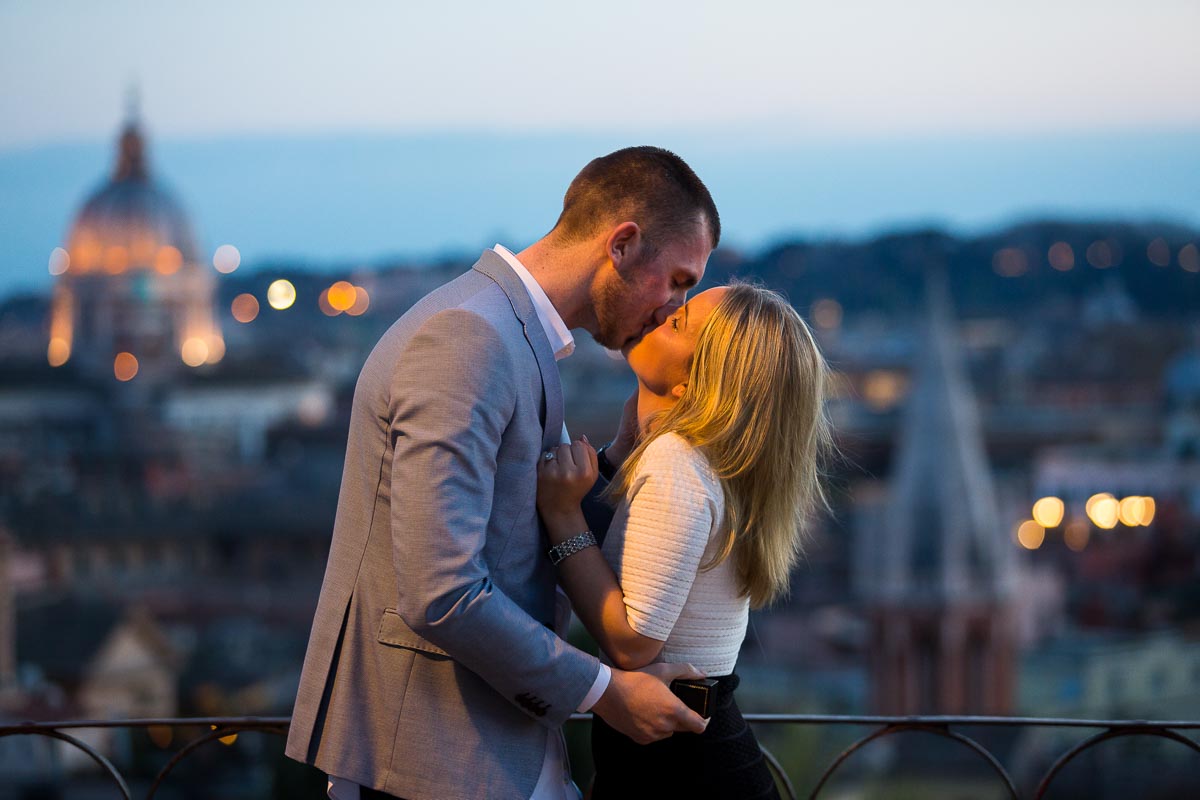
(712, 502)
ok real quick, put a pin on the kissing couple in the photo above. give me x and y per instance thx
(436, 668)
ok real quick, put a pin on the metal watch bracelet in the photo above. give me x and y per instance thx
(570, 547)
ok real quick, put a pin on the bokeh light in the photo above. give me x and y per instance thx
(116, 260)
(1148, 509)
(323, 304)
(1130, 511)
(168, 260)
(1103, 510)
(85, 254)
(226, 259)
(1091, 501)
(281, 294)
(194, 351)
(1158, 253)
(1010, 262)
(216, 349)
(1061, 256)
(883, 389)
(362, 302)
(60, 261)
(244, 308)
(1101, 255)
(225, 740)
(125, 366)
(161, 735)
(1030, 535)
(1076, 534)
(341, 295)
(1048, 512)
(58, 352)
(827, 314)
(1189, 258)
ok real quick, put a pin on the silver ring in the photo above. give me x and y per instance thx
(549, 455)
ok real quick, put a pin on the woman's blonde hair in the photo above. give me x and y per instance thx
(754, 406)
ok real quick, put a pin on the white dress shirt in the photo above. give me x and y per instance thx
(554, 781)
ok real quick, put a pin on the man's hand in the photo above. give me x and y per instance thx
(640, 705)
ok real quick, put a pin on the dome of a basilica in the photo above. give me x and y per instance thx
(131, 222)
(132, 296)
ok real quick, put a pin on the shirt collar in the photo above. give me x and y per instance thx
(556, 330)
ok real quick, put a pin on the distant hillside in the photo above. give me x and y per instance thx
(1002, 273)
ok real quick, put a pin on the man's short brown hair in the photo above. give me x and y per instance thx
(648, 185)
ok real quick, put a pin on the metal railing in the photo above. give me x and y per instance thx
(224, 727)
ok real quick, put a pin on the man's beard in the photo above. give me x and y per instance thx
(611, 299)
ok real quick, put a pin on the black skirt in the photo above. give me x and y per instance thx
(724, 762)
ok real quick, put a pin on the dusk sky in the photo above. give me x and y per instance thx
(358, 130)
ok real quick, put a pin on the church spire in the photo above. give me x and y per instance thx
(131, 160)
(936, 567)
(943, 519)
(133, 104)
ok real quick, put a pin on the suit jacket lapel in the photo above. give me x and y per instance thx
(496, 268)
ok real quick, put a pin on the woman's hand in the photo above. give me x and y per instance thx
(563, 481)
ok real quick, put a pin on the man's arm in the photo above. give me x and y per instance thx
(452, 397)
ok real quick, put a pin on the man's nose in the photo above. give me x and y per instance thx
(678, 298)
(666, 310)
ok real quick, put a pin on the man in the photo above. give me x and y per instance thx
(432, 670)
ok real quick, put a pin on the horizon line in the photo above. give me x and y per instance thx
(775, 138)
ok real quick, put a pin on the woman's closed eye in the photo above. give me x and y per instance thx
(674, 323)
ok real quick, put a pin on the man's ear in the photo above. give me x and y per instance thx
(624, 242)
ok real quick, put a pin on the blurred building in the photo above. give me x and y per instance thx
(934, 566)
(1104, 675)
(1182, 426)
(97, 660)
(132, 296)
(152, 483)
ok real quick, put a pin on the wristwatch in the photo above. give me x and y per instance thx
(605, 466)
(570, 547)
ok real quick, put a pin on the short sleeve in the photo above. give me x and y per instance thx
(675, 502)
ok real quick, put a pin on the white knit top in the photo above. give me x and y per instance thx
(660, 535)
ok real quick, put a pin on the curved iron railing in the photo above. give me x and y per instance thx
(223, 727)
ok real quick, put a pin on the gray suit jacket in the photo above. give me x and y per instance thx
(432, 670)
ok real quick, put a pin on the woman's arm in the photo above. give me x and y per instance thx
(586, 576)
(674, 504)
